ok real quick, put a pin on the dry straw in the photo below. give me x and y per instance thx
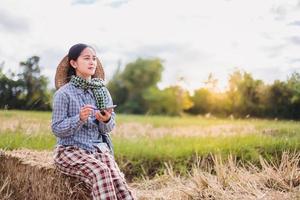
(23, 177)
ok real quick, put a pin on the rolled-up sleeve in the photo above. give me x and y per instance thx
(108, 126)
(62, 125)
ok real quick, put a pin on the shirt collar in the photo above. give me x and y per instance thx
(81, 91)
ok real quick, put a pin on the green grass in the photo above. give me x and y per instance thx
(161, 121)
(147, 155)
(167, 121)
(10, 141)
(167, 147)
(40, 115)
(176, 147)
(181, 151)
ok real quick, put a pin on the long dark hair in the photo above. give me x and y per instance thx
(74, 53)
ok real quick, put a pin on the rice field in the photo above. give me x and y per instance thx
(194, 157)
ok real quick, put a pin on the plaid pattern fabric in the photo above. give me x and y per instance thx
(68, 127)
(98, 170)
(97, 87)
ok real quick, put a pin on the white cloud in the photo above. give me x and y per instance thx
(193, 37)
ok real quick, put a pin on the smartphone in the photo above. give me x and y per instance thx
(106, 108)
(109, 107)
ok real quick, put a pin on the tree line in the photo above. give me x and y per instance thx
(27, 90)
(135, 90)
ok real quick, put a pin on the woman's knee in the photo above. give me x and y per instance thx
(99, 170)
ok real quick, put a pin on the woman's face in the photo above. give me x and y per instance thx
(85, 65)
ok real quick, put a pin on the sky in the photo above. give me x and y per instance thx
(193, 38)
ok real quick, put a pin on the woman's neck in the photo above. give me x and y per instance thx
(86, 77)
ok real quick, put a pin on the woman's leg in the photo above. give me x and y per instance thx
(121, 187)
(77, 162)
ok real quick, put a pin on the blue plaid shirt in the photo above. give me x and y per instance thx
(66, 124)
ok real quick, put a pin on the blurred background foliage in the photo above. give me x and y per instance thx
(135, 90)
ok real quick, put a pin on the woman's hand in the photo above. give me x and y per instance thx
(104, 116)
(85, 112)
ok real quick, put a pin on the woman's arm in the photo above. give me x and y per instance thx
(62, 125)
(105, 127)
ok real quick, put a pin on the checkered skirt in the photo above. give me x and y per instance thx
(98, 170)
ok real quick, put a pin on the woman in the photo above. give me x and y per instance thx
(84, 148)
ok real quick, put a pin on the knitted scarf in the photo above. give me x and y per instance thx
(96, 85)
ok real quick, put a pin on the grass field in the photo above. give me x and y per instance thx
(165, 157)
(143, 144)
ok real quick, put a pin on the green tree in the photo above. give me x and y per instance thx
(279, 100)
(172, 101)
(117, 89)
(36, 94)
(133, 82)
(10, 91)
(233, 93)
(293, 83)
(244, 94)
(202, 101)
